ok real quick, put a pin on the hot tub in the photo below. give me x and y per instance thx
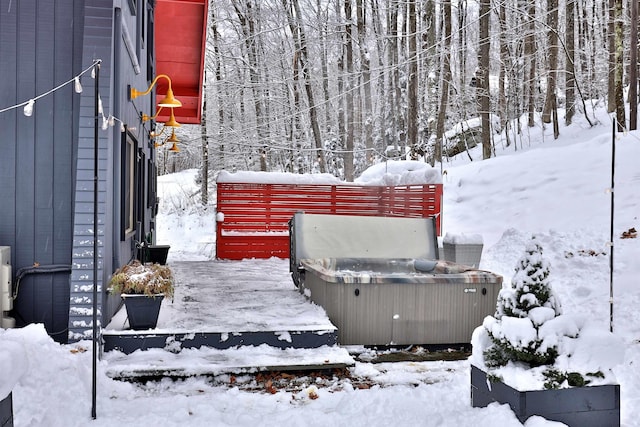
(374, 301)
(381, 282)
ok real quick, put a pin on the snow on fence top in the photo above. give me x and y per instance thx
(390, 173)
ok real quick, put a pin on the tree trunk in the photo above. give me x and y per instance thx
(412, 95)
(349, 145)
(366, 82)
(552, 65)
(633, 66)
(381, 141)
(323, 20)
(504, 60)
(483, 77)
(611, 35)
(392, 101)
(446, 78)
(530, 54)
(570, 78)
(429, 77)
(619, 71)
(204, 174)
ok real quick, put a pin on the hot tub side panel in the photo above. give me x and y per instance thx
(404, 313)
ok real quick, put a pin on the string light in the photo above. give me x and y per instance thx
(77, 86)
(111, 122)
(29, 105)
(28, 109)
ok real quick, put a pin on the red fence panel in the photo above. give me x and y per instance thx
(253, 218)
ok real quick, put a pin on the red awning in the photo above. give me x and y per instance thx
(180, 36)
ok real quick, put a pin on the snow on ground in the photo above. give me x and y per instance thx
(556, 190)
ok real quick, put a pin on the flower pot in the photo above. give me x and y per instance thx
(597, 406)
(6, 411)
(142, 310)
(156, 254)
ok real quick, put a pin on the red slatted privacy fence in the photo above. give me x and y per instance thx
(256, 216)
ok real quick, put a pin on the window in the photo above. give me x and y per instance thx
(128, 188)
(151, 184)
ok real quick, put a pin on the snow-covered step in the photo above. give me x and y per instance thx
(128, 341)
(156, 363)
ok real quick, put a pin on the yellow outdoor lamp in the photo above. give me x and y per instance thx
(168, 101)
(173, 139)
(172, 121)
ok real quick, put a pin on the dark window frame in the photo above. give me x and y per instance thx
(128, 196)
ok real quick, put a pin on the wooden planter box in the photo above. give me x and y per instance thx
(465, 254)
(597, 406)
(6, 411)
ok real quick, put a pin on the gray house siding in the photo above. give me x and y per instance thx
(38, 52)
(102, 25)
(46, 200)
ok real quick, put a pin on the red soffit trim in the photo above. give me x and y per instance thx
(180, 35)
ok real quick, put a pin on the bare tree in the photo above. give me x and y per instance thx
(366, 81)
(530, 55)
(247, 19)
(412, 92)
(504, 55)
(549, 111)
(633, 66)
(611, 37)
(484, 100)
(619, 66)
(570, 76)
(446, 78)
(303, 58)
(348, 60)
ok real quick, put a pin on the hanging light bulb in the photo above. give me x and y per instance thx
(93, 73)
(28, 109)
(112, 121)
(77, 85)
(100, 110)
(105, 123)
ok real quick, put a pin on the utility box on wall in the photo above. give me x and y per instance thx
(6, 291)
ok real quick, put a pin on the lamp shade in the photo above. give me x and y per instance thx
(169, 100)
(172, 121)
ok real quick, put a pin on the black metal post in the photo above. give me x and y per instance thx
(613, 169)
(96, 68)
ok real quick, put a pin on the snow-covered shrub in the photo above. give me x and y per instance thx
(529, 332)
(521, 311)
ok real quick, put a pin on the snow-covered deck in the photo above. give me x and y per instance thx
(248, 314)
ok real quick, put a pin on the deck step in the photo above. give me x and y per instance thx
(161, 363)
(128, 341)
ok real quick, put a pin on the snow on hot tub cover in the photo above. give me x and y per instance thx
(402, 270)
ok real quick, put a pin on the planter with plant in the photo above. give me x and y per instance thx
(142, 287)
(543, 362)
